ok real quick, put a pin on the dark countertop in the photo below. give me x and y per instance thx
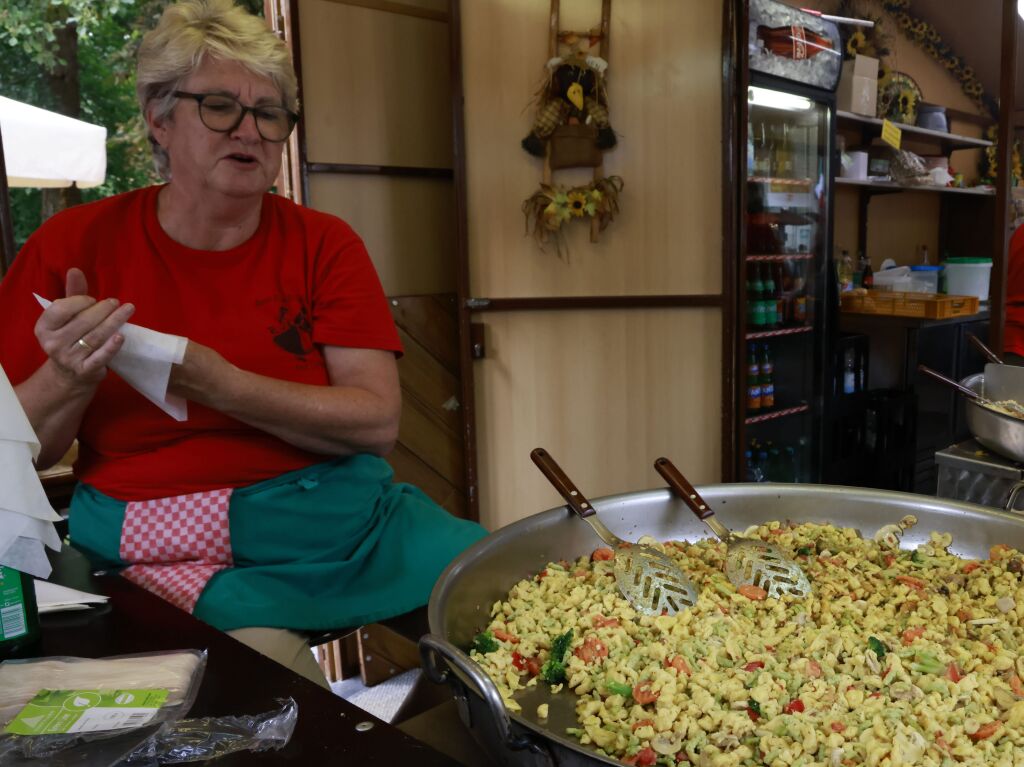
(237, 680)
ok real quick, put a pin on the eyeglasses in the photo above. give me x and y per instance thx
(222, 113)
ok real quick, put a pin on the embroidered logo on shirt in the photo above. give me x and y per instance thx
(291, 329)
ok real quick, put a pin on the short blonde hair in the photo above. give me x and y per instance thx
(190, 30)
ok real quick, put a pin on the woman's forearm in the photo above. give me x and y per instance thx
(55, 406)
(332, 420)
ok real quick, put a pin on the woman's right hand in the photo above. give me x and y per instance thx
(80, 334)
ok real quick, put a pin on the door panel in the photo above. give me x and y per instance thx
(606, 392)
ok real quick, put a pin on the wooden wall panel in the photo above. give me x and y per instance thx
(382, 90)
(429, 452)
(406, 223)
(664, 83)
(606, 392)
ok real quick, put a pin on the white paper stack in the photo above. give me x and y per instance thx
(52, 597)
(144, 362)
(26, 517)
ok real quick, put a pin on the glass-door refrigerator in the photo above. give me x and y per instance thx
(787, 307)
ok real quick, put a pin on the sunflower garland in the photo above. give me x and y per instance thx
(551, 206)
(861, 41)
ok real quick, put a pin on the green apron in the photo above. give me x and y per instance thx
(333, 545)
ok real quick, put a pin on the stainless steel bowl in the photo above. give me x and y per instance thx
(1000, 433)
(461, 601)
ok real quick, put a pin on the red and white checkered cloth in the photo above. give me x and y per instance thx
(175, 545)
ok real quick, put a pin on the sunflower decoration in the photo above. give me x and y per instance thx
(548, 208)
(906, 106)
(862, 41)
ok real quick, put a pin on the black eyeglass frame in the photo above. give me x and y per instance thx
(198, 98)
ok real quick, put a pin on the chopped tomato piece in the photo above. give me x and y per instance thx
(752, 592)
(777, 531)
(591, 649)
(813, 669)
(889, 559)
(970, 567)
(964, 615)
(723, 609)
(532, 666)
(754, 665)
(679, 664)
(940, 741)
(518, 661)
(911, 634)
(600, 621)
(602, 554)
(769, 648)
(754, 716)
(504, 636)
(646, 757)
(795, 706)
(997, 550)
(875, 695)
(643, 694)
(630, 760)
(953, 673)
(837, 726)
(542, 574)
(1016, 686)
(643, 723)
(986, 731)
(911, 581)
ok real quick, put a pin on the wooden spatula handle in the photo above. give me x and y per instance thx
(682, 487)
(969, 393)
(576, 500)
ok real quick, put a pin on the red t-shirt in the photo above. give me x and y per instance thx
(1013, 330)
(302, 281)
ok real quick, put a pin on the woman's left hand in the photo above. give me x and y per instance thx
(198, 373)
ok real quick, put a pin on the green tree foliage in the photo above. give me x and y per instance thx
(109, 32)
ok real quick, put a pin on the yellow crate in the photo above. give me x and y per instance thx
(933, 306)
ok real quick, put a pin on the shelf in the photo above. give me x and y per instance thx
(949, 141)
(805, 182)
(780, 332)
(776, 414)
(890, 186)
(782, 257)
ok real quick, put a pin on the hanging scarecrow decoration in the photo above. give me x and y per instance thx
(571, 129)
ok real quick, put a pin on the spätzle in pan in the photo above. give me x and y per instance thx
(898, 658)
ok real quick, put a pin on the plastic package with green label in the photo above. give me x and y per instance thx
(96, 711)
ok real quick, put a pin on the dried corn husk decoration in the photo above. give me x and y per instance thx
(551, 206)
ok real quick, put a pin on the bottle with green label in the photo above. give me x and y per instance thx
(19, 618)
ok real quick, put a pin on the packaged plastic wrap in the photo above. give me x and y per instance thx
(196, 740)
(65, 710)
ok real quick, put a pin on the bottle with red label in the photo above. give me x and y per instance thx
(767, 378)
(793, 42)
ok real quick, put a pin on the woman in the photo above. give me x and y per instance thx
(269, 509)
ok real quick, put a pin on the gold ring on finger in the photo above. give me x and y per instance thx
(81, 342)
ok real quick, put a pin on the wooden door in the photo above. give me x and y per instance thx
(375, 147)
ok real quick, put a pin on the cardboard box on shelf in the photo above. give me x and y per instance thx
(858, 86)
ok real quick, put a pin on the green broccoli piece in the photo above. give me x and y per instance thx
(484, 642)
(617, 688)
(878, 647)
(553, 670)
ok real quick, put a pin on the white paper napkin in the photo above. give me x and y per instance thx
(26, 517)
(52, 597)
(144, 362)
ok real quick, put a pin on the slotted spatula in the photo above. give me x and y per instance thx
(651, 581)
(748, 562)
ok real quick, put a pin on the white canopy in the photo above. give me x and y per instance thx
(46, 149)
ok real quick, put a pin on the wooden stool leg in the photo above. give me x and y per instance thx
(384, 653)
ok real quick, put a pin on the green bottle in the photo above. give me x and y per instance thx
(19, 617)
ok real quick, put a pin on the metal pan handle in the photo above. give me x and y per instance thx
(576, 500)
(682, 487)
(435, 651)
(970, 394)
(990, 355)
(1011, 499)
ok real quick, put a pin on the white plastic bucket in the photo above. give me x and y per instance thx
(968, 279)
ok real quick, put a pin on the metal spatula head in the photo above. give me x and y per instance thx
(651, 581)
(748, 562)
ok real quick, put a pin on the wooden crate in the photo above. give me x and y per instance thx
(933, 306)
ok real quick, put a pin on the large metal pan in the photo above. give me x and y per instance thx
(1000, 433)
(462, 598)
